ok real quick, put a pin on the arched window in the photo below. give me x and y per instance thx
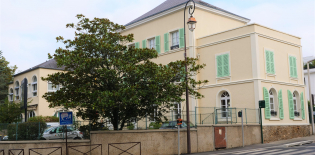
(273, 100)
(11, 95)
(31, 114)
(296, 104)
(225, 104)
(17, 90)
(34, 86)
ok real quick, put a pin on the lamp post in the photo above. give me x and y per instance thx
(310, 93)
(191, 26)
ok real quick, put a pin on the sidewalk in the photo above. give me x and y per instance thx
(256, 146)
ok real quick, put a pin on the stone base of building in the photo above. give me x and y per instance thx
(283, 132)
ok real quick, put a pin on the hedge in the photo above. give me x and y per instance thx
(26, 131)
(43, 119)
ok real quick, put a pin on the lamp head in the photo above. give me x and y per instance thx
(191, 23)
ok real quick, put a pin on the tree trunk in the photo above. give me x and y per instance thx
(115, 119)
(122, 124)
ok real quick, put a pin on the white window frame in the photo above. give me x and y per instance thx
(11, 92)
(171, 37)
(178, 109)
(31, 113)
(274, 62)
(216, 68)
(54, 90)
(34, 85)
(227, 104)
(275, 103)
(17, 90)
(149, 42)
(296, 105)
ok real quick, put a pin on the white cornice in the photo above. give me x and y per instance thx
(173, 51)
(180, 7)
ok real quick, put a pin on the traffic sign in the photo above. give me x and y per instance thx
(65, 118)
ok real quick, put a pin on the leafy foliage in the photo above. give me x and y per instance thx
(102, 81)
(43, 119)
(26, 131)
(155, 125)
(6, 76)
(10, 112)
(312, 65)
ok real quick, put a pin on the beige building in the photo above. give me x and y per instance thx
(38, 106)
(245, 62)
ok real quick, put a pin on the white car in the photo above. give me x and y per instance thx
(57, 133)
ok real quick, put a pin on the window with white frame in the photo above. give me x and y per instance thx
(153, 113)
(296, 104)
(34, 86)
(31, 114)
(17, 90)
(53, 88)
(178, 110)
(11, 94)
(175, 38)
(151, 43)
(225, 104)
(273, 102)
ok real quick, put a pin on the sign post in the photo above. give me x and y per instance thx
(65, 118)
(240, 114)
(179, 122)
(261, 105)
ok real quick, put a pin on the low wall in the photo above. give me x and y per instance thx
(276, 133)
(26, 145)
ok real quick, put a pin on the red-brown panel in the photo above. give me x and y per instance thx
(219, 137)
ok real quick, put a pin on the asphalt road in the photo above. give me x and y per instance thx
(307, 149)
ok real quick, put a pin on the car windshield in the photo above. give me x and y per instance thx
(48, 129)
(172, 124)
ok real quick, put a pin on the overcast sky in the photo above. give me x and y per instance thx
(28, 28)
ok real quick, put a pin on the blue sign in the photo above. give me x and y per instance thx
(65, 118)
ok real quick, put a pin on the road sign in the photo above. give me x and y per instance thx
(65, 118)
(179, 121)
(262, 104)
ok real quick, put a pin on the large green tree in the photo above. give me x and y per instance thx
(312, 65)
(10, 112)
(106, 79)
(6, 76)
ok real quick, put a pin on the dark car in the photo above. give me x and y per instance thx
(173, 125)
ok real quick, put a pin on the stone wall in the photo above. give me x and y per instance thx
(276, 133)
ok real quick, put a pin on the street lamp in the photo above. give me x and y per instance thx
(310, 93)
(191, 25)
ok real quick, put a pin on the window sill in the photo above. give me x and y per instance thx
(272, 75)
(274, 119)
(291, 78)
(298, 119)
(222, 78)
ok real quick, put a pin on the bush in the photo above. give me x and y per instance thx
(155, 125)
(26, 131)
(43, 119)
(86, 129)
(130, 126)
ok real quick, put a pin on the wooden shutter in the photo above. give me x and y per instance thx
(219, 66)
(294, 67)
(267, 103)
(291, 106)
(291, 66)
(181, 38)
(137, 45)
(166, 42)
(272, 63)
(302, 106)
(157, 44)
(267, 61)
(281, 114)
(144, 43)
(226, 65)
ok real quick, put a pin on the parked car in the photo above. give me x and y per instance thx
(57, 132)
(173, 125)
(52, 124)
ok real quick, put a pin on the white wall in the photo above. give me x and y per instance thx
(312, 71)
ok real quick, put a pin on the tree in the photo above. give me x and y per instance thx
(6, 76)
(104, 78)
(312, 65)
(10, 112)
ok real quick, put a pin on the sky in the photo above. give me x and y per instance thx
(28, 28)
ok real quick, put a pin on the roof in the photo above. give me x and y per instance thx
(50, 64)
(169, 4)
(311, 71)
(306, 59)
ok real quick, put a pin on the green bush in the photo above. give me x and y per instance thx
(130, 126)
(26, 131)
(43, 119)
(154, 125)
(96, 126)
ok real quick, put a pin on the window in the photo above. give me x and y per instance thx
(52, 88)
(295, 105)
(223, 65)
(178, 110)
(31, 114)
(225, 104)
(11, 94)
(131, 45)
(17, 89)
(153, 113)
(293, 68)
(34, 86)
(151, 43)
(270, 64)
(175, 38)
(273, 102)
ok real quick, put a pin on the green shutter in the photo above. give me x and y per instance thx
(267, 61)
(144, 43)
(181, 38)
(291, 106)
(226, 65)
(267, 103)
(281, 114)
(219, 66)
(302, 106)
(272, 63)
(166, 42)
(294, 67)
(291, 66)
(157, 44)
(137, 45)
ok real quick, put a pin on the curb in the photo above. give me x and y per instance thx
(298, 143)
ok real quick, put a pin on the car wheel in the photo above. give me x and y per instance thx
(42, 138)
(76, 138)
